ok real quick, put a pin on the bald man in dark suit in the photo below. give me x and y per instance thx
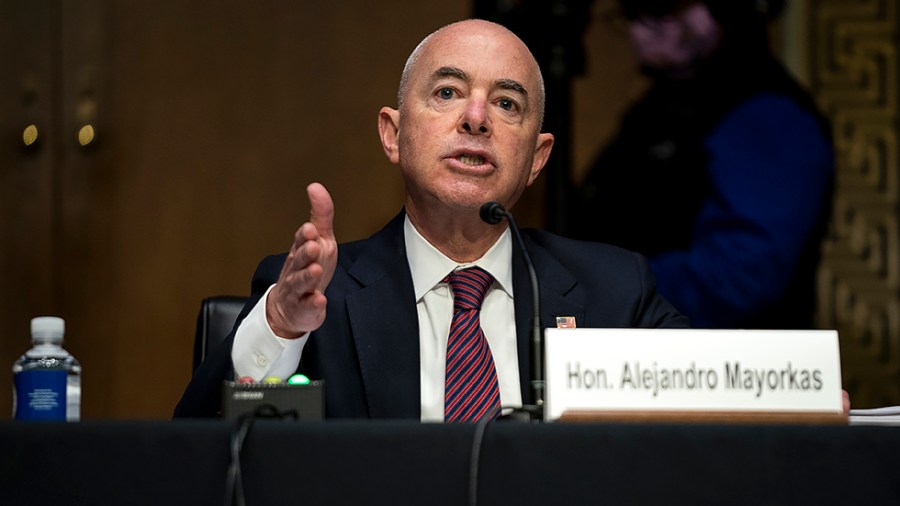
(372, 317)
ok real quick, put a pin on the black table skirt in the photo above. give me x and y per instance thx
(399, 463)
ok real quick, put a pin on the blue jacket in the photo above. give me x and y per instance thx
(724, 182)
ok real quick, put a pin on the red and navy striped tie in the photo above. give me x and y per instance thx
(470, 390)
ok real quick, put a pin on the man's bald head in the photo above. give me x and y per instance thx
(470, 26)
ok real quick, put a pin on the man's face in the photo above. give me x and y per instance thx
(468, 129)
(674, 46)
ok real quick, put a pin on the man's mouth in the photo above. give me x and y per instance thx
(473, 160)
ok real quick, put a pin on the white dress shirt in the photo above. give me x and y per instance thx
(258, 352)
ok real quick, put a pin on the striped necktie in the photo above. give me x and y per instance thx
(471, 390)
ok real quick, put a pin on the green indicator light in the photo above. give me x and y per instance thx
(298, 379)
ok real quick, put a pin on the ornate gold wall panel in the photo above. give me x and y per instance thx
(854, 75)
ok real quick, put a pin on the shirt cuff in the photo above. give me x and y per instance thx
(257, 352)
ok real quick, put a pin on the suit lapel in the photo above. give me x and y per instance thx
(557, 298)
(385, 328)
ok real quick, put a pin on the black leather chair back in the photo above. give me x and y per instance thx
(215, 321)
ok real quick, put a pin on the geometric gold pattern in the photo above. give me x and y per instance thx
(854, 67)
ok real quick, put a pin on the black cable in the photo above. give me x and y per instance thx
(234, 485)
(480, 429)
(478, 439)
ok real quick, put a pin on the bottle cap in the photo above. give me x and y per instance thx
(48, 327)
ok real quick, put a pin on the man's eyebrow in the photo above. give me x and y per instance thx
(509, 84)
(458, 73)
(450, 72)
(506, 84)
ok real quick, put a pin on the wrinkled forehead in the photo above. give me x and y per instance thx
(488, 52)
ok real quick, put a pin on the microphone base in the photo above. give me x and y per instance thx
(528, 413)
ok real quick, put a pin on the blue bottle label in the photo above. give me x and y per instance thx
(41, 395)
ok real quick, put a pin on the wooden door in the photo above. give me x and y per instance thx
(27, 183)
(209, 118)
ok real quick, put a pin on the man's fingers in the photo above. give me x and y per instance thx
(299, 275)
(298, 302)
(305, 248)
(321, 209)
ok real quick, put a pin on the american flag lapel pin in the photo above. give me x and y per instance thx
(565, 322)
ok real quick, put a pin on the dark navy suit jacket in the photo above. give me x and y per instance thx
(367, 351)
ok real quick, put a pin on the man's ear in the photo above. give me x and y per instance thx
(388, 130)
(542, 147)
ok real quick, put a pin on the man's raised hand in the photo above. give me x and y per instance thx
(297, 303)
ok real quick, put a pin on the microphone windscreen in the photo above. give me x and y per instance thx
(492, 212)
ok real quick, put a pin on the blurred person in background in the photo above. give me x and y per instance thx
(721, 173)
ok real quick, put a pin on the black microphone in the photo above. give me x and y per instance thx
(493, 213)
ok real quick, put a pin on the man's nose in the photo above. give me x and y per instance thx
(475, 118)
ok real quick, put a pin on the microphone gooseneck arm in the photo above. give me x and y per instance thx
(492, 213)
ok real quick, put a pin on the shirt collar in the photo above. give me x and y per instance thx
(429, 266)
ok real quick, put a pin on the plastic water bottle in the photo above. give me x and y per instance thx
(47, 378)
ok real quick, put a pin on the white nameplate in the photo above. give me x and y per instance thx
(692, 369)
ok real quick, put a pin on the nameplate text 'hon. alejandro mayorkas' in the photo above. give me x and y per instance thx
(686, 370)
